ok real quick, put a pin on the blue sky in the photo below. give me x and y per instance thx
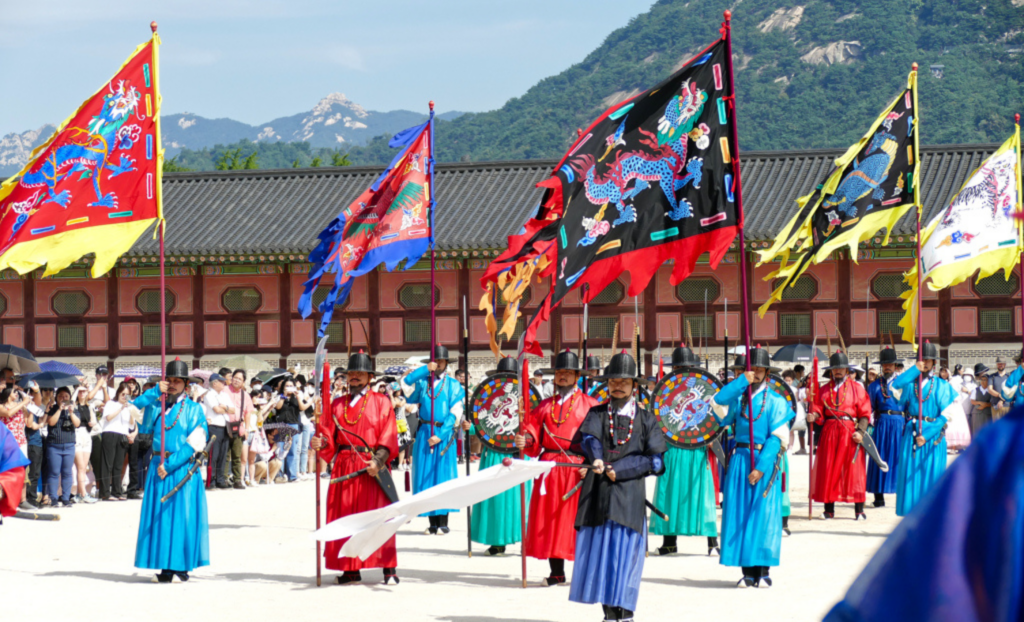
(257, 60)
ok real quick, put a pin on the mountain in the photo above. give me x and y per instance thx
(334, 122)
(809, 73)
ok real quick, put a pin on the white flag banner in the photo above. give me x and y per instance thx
(368, 531)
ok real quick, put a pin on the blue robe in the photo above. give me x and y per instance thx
(751, 521)
(887, 433)
(432, 468)
(920, 467)
(957, 556)
(174, 535)
(1011, 388)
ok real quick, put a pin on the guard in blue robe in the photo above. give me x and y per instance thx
(1011, 390)
(957, 556)
(174, 536)
(922, 452)
(433, 465)
(752, 514)
(889, 420)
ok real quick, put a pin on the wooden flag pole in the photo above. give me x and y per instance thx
(433, 262)
(465, 441)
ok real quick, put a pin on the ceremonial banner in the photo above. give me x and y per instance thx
(94, 186)
(872, 186)
(392, 222)
(651, 179)
(975, 233)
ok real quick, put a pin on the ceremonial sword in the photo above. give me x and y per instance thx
(572, 465)
(197, 462)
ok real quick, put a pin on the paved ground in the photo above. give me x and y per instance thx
(264, 569)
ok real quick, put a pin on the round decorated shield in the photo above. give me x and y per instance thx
(599, 391)
(778, 384)
(682, 404)
(495, 413)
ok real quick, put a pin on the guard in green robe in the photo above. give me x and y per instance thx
(686, 491)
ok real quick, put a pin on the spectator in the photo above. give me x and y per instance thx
(339, 389)
(61, 420)
(117, 424)
(289, 405)
(545, 389)
(800, 423)
(140, 451)
(83, 443)
(872, 375)
(98, 397)
(214, 402)
(225, 372)
(306, 430)
(799, 371)
(956, 380)
(239, 410)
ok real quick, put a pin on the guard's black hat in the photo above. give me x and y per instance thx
(1020, 356)
(758, 358)
(622, 365)
(838, 360)
(565, 361)
(361, 361)
(684, 357)
(438, 353)
(178, 369)
(930, 351)
(593, 365)
(887, 356)
(507, 364)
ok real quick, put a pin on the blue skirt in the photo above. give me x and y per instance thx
(432, 468)
(173, 535)
(609, 564)
(919, 470)
(888, 432)
(751, 520)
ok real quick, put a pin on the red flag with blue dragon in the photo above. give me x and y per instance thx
(651, 180)
(391, 222)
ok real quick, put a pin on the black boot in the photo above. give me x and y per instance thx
(879, 500)
(858, 511)
(557, 572)
(713, 546)
(785, 526)
(432, 529)
(830, 511)
(625, 615)
(442, 525)
(350, 576)
(763, 580)
(668, 546)
(749, 577)
(165, 576)
(609, 613)
(496, 550)
(390, 573)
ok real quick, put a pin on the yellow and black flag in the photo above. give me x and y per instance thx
(872, 186)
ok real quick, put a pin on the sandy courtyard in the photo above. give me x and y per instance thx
(263, 568)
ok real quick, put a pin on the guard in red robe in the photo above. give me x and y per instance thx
(12, 471)
(551, 534)
(362, 432)
(842, 410)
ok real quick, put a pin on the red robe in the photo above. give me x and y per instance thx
(374, 421)
(836, 476)
(550, 529)
(12, 482)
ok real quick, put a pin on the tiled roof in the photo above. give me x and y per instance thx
(479, 204)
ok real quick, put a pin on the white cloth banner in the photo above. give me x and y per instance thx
(368, 531)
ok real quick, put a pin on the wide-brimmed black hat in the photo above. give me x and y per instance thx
(565, 361)
(1019, 357)
(930, 351)
(838, 360)
(178, 369)
(684, 357)
(507, 364)
(622, 365)
(759, 357)
(438, 353)
(980, 370)
(361, 361)
(887, 356)
(593, 365)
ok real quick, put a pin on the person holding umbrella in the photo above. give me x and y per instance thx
(61, 420)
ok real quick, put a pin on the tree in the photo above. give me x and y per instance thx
(172, 166)
(340, 159)
(316, 162)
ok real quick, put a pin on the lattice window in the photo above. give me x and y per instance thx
(695, 289)
(70, 337)
(71, 303)
(242, 334)
(889, 323)
(320, 295)
(611, 295)
(523, 301)
(417, 296)
(242, 299)
(804, 288)
(601, 327)
(417, 331)
(151, 335)
(520, 328)
(148, 301)
(889, 285)
(700, 326)
(995, 320)
(795, 324)
(997, 285)
(336, 332)
(3, 304)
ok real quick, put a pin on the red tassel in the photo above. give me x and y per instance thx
(408, 481)
(783, 481)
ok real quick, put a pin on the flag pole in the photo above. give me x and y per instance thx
(745, 303)
(586, 333)
(465, 438)
(433, 256)
(1020, 228)
(524, 394)
(920, 265)
(163, 279)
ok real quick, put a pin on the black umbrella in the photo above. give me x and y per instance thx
(798, 353)
(269, 377)
(18, 359)
(49, 380)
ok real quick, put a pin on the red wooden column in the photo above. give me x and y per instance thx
(844, 272)
(113, 314)
(29, 292)
(198, 327)
(284, 283)
(373, 303)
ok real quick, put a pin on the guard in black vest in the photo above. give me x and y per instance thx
(624, 444)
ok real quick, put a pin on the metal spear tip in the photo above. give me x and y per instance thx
(507, 462)
(152, 26)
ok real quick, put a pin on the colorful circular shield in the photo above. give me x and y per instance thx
(599, 391)
(778, 384)
(682, 404)
(495, 405)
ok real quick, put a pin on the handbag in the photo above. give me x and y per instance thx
(259, 442)
(232, 429)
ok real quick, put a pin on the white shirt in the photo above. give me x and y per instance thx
(121, 422)
(211, 400)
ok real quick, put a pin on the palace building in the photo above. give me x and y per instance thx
(237, 243)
